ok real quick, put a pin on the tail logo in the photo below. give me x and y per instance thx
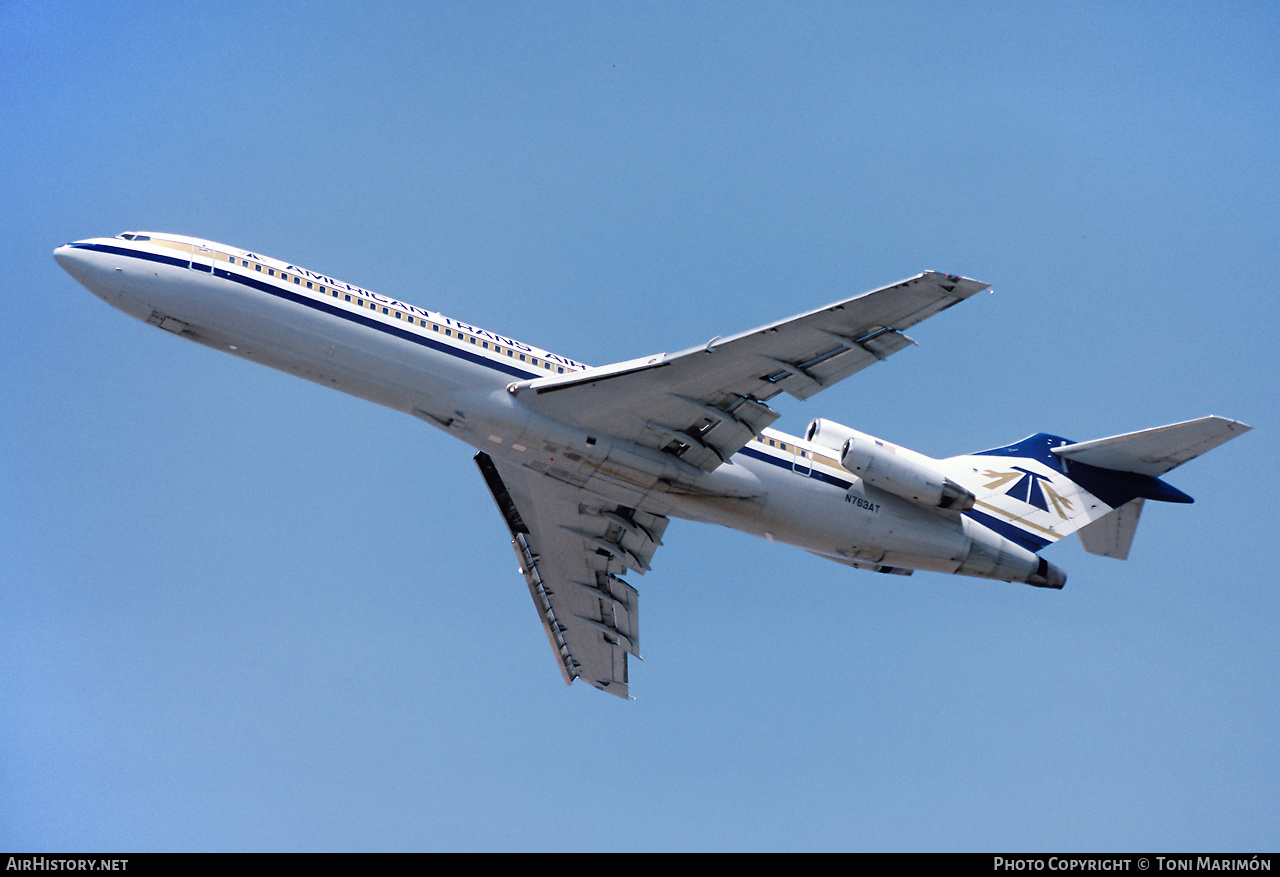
(1031, 488)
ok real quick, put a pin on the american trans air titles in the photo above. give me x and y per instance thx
(587, 465)
(382, 300)
(313, 280)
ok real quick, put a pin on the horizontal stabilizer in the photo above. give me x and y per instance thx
(1155, 451)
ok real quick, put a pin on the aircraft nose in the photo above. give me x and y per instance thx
(71, 260)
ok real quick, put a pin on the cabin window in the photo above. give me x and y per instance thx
(257, 267)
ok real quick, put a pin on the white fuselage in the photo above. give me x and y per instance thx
(455, 376)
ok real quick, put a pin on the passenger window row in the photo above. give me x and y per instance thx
(359, 302)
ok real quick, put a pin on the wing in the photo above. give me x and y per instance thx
(573, 547)
(705, 403)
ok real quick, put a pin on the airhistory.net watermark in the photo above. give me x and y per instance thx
(42, 863)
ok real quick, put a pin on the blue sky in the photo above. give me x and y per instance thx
(242, 612)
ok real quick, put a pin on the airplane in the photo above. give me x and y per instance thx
(587, 465)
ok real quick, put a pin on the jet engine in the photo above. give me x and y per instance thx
(897, 470)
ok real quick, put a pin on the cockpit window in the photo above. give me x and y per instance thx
(129, 236)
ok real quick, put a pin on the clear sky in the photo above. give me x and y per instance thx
(241, 612)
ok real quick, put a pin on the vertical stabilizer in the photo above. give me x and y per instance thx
(1112, 534)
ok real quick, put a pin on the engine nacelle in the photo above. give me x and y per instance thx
(899, 471)
(829, 434)
(902, 472)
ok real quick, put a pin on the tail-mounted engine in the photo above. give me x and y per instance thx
(899, 471)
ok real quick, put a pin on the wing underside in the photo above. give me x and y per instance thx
(573, 549)
(704, 404)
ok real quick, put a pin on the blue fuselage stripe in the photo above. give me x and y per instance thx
(757, 454)
(1012, 532)
(325, 308)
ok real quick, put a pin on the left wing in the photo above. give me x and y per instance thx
(704, 404)
(573, 547)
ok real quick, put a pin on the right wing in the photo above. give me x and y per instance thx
(573, 547)
(704, 404)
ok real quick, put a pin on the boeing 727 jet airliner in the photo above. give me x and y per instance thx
(587, 465)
